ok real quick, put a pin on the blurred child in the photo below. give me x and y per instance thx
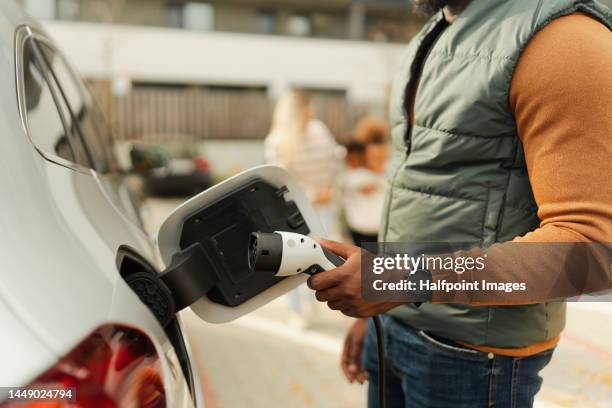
(365, 181)
(355, 155)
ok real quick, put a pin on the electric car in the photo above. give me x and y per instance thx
(70, 236)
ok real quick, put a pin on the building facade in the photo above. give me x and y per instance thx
(373, 20)
(200, 70)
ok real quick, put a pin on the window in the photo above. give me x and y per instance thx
(83, 118)
(68, 10)
(325, 25)
(198, 16)
(298, 26)
(266, 22)
(62, 118)
(174, 15)
(46, 129)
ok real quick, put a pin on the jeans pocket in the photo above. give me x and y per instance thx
(451, 347)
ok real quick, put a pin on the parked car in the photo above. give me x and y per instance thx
(167, 172)
(70, 236)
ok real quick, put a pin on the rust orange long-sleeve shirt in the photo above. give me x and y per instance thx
(561, 96)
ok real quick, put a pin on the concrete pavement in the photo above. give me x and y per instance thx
(262, 360)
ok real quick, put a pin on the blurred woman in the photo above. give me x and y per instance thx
(306, 148)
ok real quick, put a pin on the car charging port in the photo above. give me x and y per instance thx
(189, 277)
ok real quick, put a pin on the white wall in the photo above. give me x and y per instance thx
(158, 54)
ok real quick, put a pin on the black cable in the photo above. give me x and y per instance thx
(382, 372)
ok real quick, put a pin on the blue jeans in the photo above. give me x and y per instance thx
(429, 372)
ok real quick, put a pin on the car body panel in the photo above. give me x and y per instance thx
(60, 233)
(25, 351)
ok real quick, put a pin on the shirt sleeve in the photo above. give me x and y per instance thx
(561, 96)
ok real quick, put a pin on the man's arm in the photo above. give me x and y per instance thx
(561, 95)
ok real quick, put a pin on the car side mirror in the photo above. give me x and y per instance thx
(205, 243)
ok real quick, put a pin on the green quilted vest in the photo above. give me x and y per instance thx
(463, 178)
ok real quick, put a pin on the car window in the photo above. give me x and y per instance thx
(46, 129)
(85, 120)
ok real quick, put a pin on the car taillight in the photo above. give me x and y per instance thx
(201, 163)
(115, 366)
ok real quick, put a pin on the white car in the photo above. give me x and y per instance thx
(70, 234)
(74, 253)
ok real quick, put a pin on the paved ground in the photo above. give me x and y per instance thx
(262, 360)
(580, 374)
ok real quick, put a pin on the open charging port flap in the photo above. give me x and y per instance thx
(223, 229)
(205, 246)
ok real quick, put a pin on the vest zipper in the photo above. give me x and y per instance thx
(410, 91)
(416, 69)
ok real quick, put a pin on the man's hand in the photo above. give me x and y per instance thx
(351, 353)
(341, 287)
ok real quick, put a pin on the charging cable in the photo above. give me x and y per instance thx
(382, 364)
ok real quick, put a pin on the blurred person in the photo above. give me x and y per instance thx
(355, 154)
(501, 124)
(375, 136)
(305, 147)
(372, 128)
(355, 185)
(364, 185)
